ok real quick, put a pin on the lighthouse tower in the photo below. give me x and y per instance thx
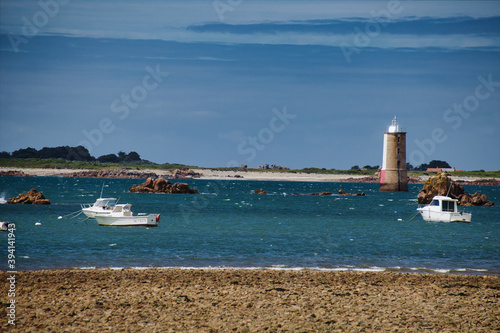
(393, 176)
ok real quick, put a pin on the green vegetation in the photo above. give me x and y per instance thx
(66, 157)
(52, 163)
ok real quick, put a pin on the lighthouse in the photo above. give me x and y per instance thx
(393, 176)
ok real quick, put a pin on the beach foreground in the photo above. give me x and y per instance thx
(231, 300)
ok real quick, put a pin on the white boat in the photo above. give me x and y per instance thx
(4, 226)
(443, 209)
(122, 215)
(102, 205)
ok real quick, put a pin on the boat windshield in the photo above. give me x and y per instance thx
(448, 206)
(434, 203)
(106, 203)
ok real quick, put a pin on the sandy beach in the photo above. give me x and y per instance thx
(229, 300)
(212, 174)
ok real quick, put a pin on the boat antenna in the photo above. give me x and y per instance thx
(102, 189)
(449, 188)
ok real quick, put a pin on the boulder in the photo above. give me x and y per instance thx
(442, 184)
(33, 197)
(361, 194)
(260, 191)
(185, 173)
(161, 185)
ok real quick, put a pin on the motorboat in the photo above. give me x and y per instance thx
(102, 205)
(443, 209)
(121, 215)
(4, 226)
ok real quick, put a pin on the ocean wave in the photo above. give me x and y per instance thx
(347, 268)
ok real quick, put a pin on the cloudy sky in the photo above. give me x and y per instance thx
(231, 82)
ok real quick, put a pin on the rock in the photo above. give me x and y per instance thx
(441, 184)
(113, 173)
(183, 173)
(361, 194)
(14, 173)
(33, 197)
(260, 191)
(161, 185)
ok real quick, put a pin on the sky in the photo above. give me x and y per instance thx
(218, 83)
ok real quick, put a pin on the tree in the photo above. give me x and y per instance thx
(438, 164)
(122, 155)
(433, 164)
(133, 156)
(110, 158)
(25, 153)
(5, 154)
(355, 167)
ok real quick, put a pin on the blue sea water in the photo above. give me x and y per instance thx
(227, 225)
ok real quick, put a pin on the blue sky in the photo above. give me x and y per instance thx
(219, 83)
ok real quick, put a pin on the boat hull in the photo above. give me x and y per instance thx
(150, 220)
(430, 216)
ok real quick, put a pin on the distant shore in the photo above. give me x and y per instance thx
(212, 174)
(237, 300)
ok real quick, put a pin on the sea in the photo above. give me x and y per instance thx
(227, 225)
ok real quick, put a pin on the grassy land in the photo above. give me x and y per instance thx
(64, 164)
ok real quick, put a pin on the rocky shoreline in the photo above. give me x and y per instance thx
(231, 300)
(217, 174)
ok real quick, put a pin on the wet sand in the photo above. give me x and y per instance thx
(196, 300)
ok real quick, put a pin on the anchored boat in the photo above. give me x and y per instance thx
(122, 215)
(443, 209)
(102, 205)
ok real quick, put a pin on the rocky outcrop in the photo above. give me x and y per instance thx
(14, 173)
(260, 191)
(33, 197)
(113, 173)
(161, 185)
(185, 173)
(361, 194)
(441, 184)
(482, 181)
(368, 179)
(314, 193)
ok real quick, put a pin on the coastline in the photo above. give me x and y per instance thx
(210, 174)
(180, 300)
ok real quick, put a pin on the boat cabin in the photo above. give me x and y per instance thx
(443, 204)
(123, 210)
